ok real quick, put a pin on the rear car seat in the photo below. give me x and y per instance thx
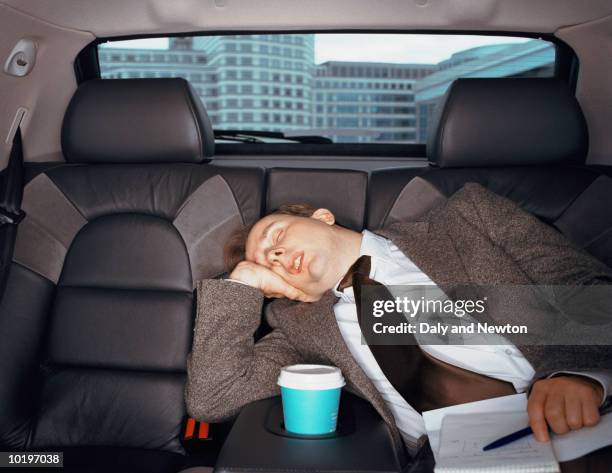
(96, 322)
(525, 139)
(341, 190)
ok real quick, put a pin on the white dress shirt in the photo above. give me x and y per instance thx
(498, 359)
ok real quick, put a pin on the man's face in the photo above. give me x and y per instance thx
(301, 250)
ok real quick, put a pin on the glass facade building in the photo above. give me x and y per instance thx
(270, 82)
(530, 59)
(247, 82)
(264, 82)
(367, 102)
(179, 60)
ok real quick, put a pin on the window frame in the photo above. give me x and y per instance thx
(566, 68)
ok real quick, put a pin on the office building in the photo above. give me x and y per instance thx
(270, 82)
(533, 58)
(366, 102)
(264, 81)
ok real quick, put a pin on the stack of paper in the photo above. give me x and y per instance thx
(464, 436)
(458, 434)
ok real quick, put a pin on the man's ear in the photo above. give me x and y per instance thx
(324, 215)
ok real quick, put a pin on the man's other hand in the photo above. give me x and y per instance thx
(564, 403)
(270, 283)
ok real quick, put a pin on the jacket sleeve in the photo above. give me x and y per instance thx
(575, 284)
(544, 254)
(591, 361)
(226, 368)
(604, 378)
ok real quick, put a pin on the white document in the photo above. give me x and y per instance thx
(433, 419)
(578, 443)
(458, 434)
(464, 436)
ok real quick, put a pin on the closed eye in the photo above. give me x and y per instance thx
(278, 236)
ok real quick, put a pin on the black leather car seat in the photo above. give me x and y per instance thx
(96, 322)
(341, 190)
(525, 139)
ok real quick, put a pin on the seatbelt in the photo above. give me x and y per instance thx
(11, 193)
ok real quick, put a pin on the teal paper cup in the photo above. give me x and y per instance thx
(311, 396)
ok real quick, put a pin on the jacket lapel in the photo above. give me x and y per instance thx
(426, 244)
(453, 245)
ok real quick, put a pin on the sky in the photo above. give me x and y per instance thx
(396, 48)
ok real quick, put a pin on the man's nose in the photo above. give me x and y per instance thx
(276, 256)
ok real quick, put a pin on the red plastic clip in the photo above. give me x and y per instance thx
(190, 428)
(203, 431)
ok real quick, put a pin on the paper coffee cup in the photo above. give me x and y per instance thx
(311, 396)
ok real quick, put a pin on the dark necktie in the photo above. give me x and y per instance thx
(422, 380)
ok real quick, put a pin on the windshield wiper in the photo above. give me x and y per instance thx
(248, 136)
(232, 136)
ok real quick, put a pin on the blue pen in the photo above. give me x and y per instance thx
(505, 440)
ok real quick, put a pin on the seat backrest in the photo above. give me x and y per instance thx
(341, 191)
(524, 139)
(99, 308)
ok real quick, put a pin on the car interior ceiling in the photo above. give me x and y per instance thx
(96, 317)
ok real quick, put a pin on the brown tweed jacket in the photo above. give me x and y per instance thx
(476, 237)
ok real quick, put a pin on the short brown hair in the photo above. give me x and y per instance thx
(234, 249)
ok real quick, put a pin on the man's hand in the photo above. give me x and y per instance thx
(270, 283)
(564, 403)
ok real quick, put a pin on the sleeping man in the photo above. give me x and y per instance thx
(302, 257)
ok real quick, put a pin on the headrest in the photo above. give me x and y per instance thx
(136, 121)
(501, 122)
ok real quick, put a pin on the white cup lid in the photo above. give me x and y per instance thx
(311, 377)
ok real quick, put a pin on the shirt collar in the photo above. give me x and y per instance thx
(374, 246)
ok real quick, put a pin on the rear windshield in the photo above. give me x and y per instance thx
(343, 88)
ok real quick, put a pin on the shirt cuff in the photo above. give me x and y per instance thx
(602, 377)
(236, 280)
